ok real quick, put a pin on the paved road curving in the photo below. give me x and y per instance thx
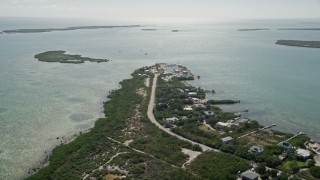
(154, 121)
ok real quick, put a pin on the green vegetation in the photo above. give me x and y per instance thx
(223, 101)
(298, 43)
(216, 165)
(315, 171)
(283, 176)
(60, 56)
(294, 165)
(299, 141)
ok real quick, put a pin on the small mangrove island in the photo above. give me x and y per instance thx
(157, 126)
(62, 57)
(298, 43)
(255, 29)
(148, 29)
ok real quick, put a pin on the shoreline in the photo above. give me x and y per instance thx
(44, 160)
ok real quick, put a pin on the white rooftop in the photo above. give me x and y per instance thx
(303, 152)
(223, 124)
(187, 109)
(172, 119)
(226, 139)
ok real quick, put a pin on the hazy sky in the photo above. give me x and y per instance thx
(189, 9)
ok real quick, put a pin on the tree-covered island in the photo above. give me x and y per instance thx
(298, 43)
(157, 126)
(62, 57)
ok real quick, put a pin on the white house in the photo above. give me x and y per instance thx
(187, 108)
(222, 125)
(192, 94)
(303, 153)
(226, 140)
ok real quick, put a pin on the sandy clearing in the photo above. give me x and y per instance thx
(192, 156)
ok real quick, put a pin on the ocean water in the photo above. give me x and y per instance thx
(42, 101)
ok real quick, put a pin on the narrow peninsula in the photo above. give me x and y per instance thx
(298, 43)
(62, 57)
(300, 29)
(14, 31)
(157, 126)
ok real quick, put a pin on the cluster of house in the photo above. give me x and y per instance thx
(300, 152)
(226, 125)
(197, 103)
(201, 104)
(174, 70)
(250, 174)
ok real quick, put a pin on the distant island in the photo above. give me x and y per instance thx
(298, 43)
(14, 31)
(256, 29)
(61, 57)
(148, 29)
(301, 29)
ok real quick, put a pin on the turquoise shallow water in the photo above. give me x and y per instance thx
(41, 101)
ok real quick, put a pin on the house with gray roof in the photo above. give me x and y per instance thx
(285, 145)
(199, 106)
(256, 149)
(249, 175)
(209, 113)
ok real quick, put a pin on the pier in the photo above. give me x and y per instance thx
(267, 127)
